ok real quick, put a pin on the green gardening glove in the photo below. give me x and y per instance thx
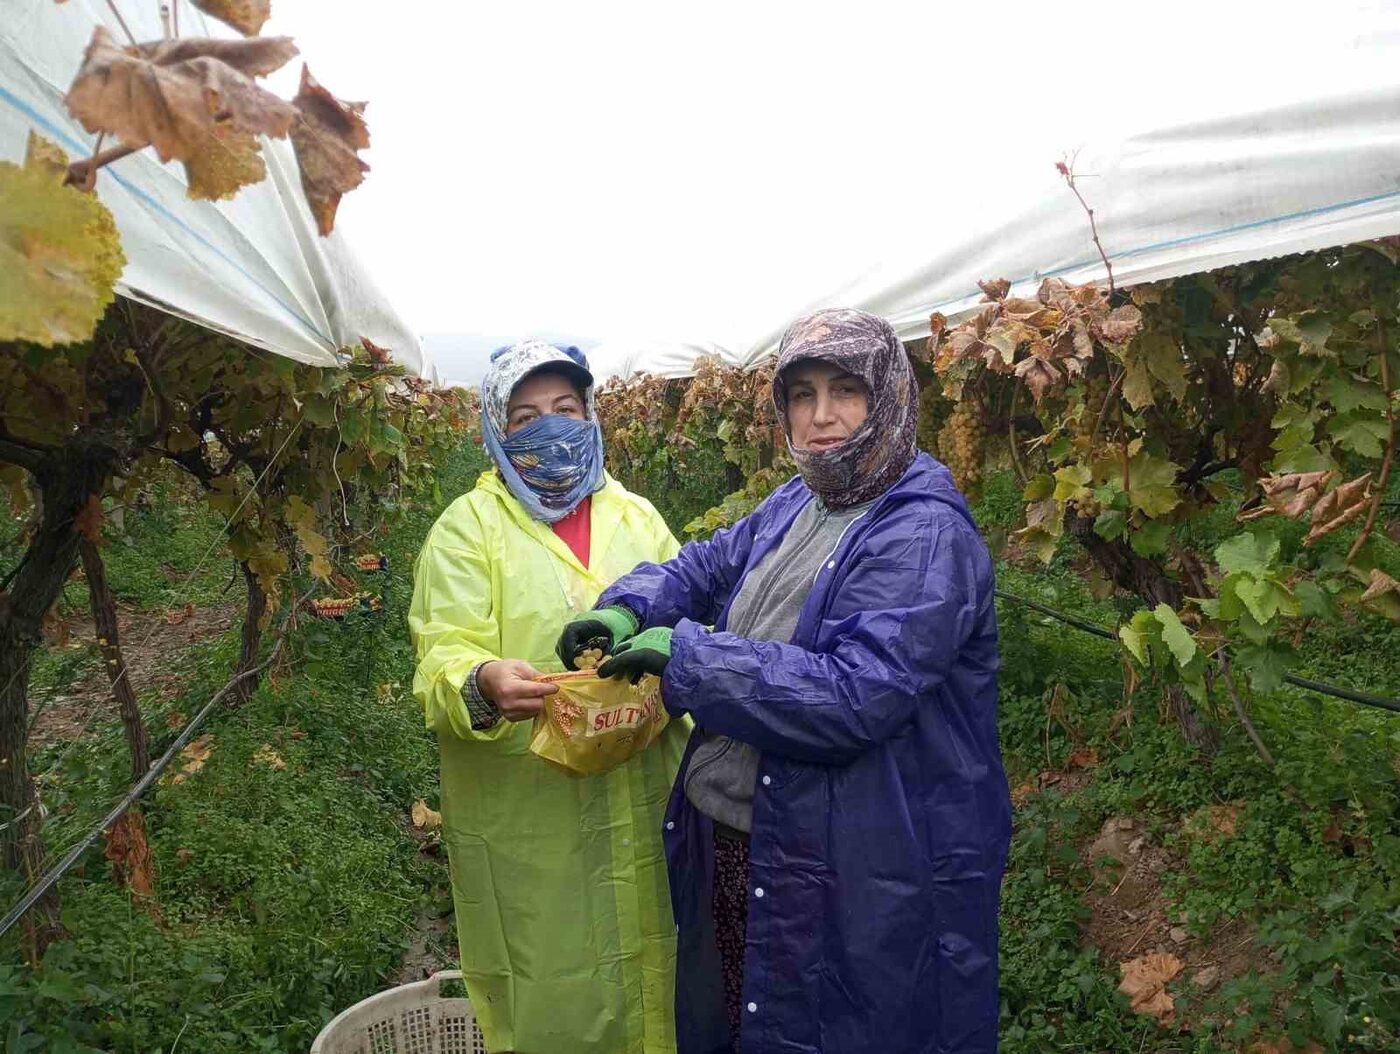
(602, 629)
(647, 652)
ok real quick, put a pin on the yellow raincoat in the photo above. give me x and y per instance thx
(563, 909)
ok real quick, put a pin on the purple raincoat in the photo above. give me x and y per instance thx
(881, 817)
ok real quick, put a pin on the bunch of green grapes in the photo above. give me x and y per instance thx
(1095, 389)
(932, 407)
(962, 444)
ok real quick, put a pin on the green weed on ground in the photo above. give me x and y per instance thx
(288, 879)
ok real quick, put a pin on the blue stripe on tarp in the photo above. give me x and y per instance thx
(79, 148)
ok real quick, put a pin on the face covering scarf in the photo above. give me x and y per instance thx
(878, 452)
(554, 462)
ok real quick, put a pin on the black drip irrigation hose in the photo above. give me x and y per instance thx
(1351, 695)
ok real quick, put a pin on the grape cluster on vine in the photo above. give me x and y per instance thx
(962, 444)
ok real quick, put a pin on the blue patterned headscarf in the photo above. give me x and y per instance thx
(554, 462)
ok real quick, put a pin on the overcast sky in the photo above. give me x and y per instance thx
(703, 172)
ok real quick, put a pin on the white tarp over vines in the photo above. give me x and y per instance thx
(253, 267)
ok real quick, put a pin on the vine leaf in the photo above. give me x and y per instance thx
(1379, 585)
(1145, 981)
(1310, 332)
(194, 100)
(60, 254)
(1137, 385)
(1361, 432)
(1291, 495)
(1038, 375)
(424, 818)
(1153, 489)
(1339, 507)
(246, 16)
(1175, 635)
(1247, 553)
(326, 136)
(1346, 393)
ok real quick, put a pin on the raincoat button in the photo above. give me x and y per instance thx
(831, 565)
(753, 1008)
(626, 841)
(767, 780)
(670, 825)
(758, 892)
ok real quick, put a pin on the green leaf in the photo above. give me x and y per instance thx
(1135, 642)
(1175, 635)
(1151, 538)
(1304, 458)
(1110, 524)
(319, 411)
(1253, 552)
(1072, 483)
(1039, 488)
(1166, 363)
(1346, 392)
(1361, 432)
(1314, 600)
(1265, 666)
(60, 255)
(1265, 598)
(1152, 484)
(1310, 332)
(1137, 384)
(354, 427)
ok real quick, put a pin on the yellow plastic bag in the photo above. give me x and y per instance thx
(592, 725)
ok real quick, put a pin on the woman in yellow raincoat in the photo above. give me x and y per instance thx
(563, 911)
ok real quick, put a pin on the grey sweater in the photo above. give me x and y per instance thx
(720, 779)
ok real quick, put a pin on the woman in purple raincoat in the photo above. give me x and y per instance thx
(838, 830)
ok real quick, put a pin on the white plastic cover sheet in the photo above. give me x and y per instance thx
(1179, 200)
(253, 267)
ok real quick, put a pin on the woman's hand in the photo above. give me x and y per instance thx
(514, 687)
(601, 628)
(647, 652)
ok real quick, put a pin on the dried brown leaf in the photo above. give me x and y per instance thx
(225, 163)
(267, 756)
(377, 355)
(1082, 340)
(1217, 822)
(1339, 507)
(1083, 758)
(995, 290)
(195, 754)
(175, 616)
(1039, 376)
(424, 818)
(1379, 584)
(246, 16)
(1055, 292)
(193, 100)
(326, 136)
(1145, 981)
(1122, 325)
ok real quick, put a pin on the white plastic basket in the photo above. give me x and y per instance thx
(410, 1019)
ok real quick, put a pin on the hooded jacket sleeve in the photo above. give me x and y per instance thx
(696, 584)
(452, 622)
(900, 617)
